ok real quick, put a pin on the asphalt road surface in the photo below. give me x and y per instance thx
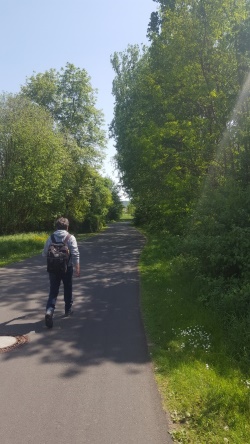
(89, 379)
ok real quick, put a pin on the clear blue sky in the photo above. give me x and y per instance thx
(37, 35)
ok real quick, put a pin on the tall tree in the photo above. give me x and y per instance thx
(174, 104)
(116, 206)
(100, 202)
(71, 100)
(30, 179)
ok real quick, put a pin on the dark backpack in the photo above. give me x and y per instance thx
(58, 256)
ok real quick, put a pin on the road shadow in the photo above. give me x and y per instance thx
(106, 324)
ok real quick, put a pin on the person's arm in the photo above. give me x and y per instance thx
(77, 270)
(75, 255)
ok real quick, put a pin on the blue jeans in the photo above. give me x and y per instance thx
(55, 281)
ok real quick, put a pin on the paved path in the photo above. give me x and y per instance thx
(89, 379)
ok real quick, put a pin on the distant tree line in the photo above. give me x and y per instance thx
(182, 131)
(51, 148)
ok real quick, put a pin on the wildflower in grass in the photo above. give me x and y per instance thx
(194, 338)
(169, 290)
(40, 238)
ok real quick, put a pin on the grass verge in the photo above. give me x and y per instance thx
(126, 217)
(201, 385)
(15, 248)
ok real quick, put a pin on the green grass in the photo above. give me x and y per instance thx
(15, 248)
(126, 216)
(202, 387)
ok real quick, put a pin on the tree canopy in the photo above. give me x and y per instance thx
(51, 148)
(181, 127)
(174, 102)
(69, 97)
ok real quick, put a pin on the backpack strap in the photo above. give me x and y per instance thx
(53, 239)
(66, 238)
(66, 242)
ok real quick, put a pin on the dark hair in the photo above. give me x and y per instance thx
(62, 223)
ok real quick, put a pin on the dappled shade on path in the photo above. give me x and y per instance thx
(94, 364)
(106, 308)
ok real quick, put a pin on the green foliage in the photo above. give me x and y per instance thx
(116, 208)
(51, 142)
(181, 125)
(173, 102)
(218, 239)
(204, 385)
(70, 99)
(100, 203)
(30, 191)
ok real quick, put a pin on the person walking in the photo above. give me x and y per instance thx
(61, 236)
